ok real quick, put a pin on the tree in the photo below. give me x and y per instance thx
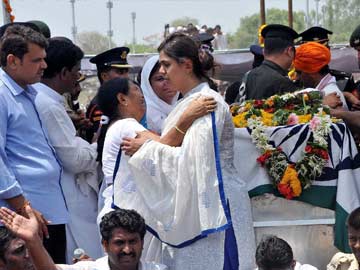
(93, 42)
(341, 17)
(247, 33)
(184, 21)
(141, 48)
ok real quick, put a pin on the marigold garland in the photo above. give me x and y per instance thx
(287, 109)
(291, 178)
(9, 10)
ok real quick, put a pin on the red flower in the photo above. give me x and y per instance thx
(308, 149)
(269, 110)
(258, 103)
(289, 106)
(285, 190)
(262, 159)
(324, 154)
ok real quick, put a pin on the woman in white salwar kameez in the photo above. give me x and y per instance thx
(193, 198)
(160, 96)
(123, 106)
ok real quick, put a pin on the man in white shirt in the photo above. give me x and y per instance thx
(79, 179)
(274, 253)
(122, 234)
(311, 64)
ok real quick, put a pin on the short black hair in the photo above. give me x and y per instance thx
(324, 70)
(16, 41)
(276, 45)
(353, 219)
(273, 253)
(128, 220)
(61, 53)
(5, 237)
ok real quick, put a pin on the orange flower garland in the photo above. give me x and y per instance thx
(9, 10)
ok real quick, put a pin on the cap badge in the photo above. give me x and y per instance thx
(123, 55)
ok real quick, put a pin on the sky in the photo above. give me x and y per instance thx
(151, 15)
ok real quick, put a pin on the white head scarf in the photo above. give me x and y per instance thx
(156, 109)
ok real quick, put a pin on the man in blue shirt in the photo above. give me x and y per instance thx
(29, 169)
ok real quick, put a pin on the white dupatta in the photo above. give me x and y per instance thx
(182, 187)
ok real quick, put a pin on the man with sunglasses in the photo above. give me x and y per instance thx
(270, 77)
(110, 64)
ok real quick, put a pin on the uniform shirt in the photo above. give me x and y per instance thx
(28, 164)
(343, 261)
(93, 113)
(103, 264)
(266, 80)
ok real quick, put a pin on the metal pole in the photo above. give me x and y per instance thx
(317, 11)
(73, 28)
(6, 18)
(290, 4)
(307, 14)
(109, 5)
(133, 17)
(262, 12)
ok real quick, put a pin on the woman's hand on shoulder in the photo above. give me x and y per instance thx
(131, 145)
(200, 106)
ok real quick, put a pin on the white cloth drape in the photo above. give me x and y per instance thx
(179, 185)
(156, 109)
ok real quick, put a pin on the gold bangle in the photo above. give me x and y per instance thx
(179, 130)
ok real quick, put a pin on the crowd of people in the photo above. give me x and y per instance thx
(219, 41)
(145, 178)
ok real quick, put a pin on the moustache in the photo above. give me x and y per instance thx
(123, 254)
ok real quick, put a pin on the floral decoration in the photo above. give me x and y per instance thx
(288, 177)
(287, 109)
(9, 9)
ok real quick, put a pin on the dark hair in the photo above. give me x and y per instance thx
(108, 104)
(104, 69)
(128, 220)
(324, 70)
(276, 45)
(353, 219)
(179, 46)
(154, 69)
(61, 54)
(16, 41)
(232, 92)
(273, 253)
(5, 237)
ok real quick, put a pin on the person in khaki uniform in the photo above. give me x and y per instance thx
(345, 261)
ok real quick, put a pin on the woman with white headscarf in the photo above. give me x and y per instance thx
(160, 96)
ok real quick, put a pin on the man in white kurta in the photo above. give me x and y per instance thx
(79, 179)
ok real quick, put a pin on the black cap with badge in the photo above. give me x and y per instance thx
(316, 34)
(204, 39)
(115, 58)
(279, 31)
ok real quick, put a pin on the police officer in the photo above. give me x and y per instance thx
(110, 64)
(270, 77)
(317, 34)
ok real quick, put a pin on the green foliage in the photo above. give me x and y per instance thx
(141, 48)
(341, 17)
(184, 21)
(93, 42)
(247, 33)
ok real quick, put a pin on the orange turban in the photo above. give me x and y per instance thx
(311, 57)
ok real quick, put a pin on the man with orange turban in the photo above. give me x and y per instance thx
(311, 63)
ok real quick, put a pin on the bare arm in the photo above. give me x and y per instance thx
(27, 229)
(352, 118)
(174, 137)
